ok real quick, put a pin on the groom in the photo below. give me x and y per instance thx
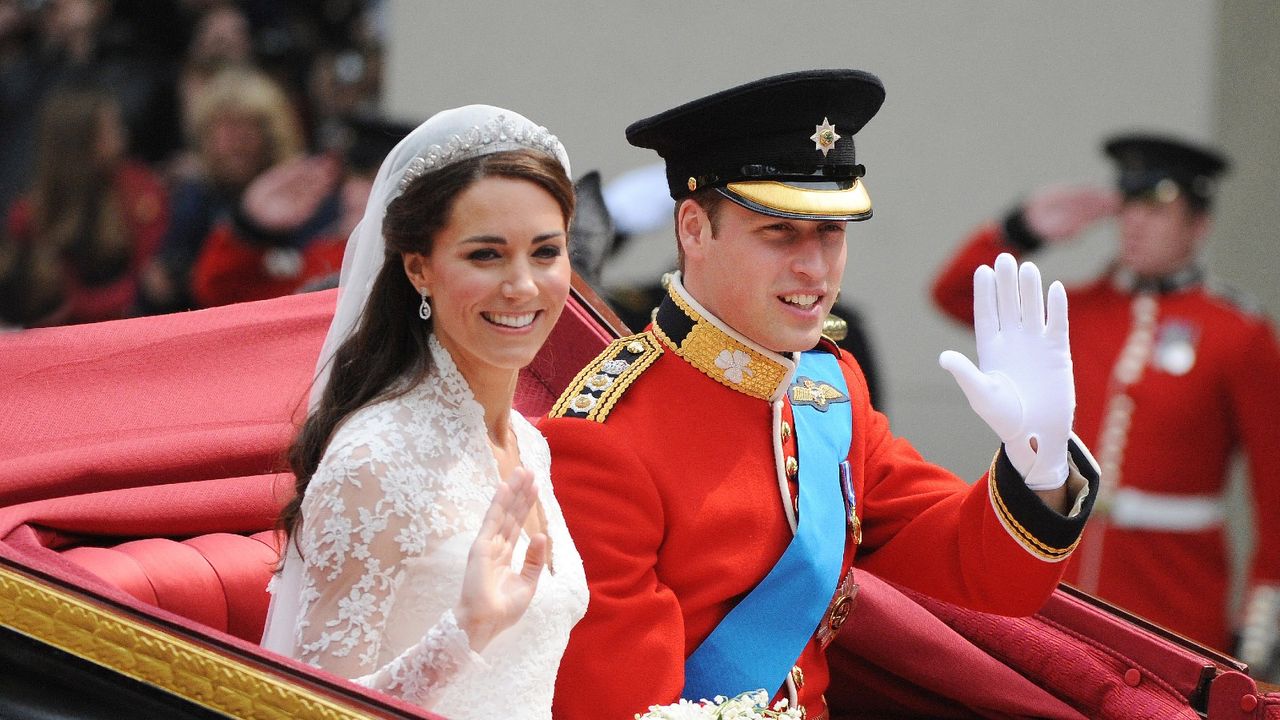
(723, 473)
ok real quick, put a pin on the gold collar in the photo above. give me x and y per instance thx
(721, 353)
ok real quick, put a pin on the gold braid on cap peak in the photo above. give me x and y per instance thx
(597, 388)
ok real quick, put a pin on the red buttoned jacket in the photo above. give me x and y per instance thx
(1210, 387)
(676, 492)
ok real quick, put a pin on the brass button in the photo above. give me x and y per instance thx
(786, 430)
(793, 468)
(635, 346)
(840, 612)
(797, 676)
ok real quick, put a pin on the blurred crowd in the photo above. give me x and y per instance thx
(158, 156)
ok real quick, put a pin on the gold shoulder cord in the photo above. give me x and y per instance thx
(597, 388)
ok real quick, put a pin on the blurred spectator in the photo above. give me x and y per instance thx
(345, 78)
(19, 97)
(242, 123)
(221, 39)
(100, 42)
(31, 283)
(277, 243)
(45, 44)
(94, 214)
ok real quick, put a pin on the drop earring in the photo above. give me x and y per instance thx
(424, 310)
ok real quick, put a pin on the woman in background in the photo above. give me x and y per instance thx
(93, 212)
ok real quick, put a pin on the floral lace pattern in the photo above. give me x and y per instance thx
(389, 517)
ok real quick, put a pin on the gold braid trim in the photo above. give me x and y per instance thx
(597, 388)
(149, 655)
(1022, 535)
(704, 344)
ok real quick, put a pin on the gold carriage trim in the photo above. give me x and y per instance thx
(1022, 535)
(138, 651)
(597, 388)
(706, 343)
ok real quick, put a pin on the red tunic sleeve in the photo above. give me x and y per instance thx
(629, 649)
(1254, 393)
(991, 545)
(952, 290)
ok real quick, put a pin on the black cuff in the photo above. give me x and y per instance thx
(1018, 234)
(1041, 529)
(251, 233)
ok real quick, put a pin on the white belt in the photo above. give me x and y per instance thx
(1141, 510)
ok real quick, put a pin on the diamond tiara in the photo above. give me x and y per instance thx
(498, 134)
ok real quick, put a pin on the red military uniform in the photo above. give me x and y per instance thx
(1170, 381)
(674, 462)
(230, 270)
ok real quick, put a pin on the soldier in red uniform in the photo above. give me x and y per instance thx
(1173, 374)
(721, 471)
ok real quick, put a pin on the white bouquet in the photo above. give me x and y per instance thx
(752, 705)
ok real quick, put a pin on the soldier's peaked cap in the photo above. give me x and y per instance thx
(1145, 162)
(782, 145)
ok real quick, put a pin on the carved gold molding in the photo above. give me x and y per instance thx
(214, 681)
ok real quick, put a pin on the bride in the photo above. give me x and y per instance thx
(417, 483)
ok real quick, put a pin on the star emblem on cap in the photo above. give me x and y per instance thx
(825, 137)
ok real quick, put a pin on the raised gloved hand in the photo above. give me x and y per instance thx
(1022, 386)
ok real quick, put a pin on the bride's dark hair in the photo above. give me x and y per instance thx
(390, 340)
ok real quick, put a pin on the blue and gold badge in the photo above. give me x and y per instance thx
(814, 394)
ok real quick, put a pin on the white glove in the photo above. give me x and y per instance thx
(1024, 389)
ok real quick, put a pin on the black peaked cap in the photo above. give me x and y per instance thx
(793, 130)
(1144, 160)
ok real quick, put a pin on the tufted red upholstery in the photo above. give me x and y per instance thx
(217, 579)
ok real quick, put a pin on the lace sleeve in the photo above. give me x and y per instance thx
(363, 516)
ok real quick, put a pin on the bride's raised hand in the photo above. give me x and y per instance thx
(494, 595)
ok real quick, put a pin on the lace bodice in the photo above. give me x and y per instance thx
(389, 517)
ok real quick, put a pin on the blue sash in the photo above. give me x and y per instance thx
(757, 643)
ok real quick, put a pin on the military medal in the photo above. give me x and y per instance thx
(850, 503)
(838, 611)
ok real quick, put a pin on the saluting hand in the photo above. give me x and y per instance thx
(1022, 386)
(286, 195)
(494, 596)
(1062, 212)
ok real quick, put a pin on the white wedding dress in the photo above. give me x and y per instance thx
(390, 515)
